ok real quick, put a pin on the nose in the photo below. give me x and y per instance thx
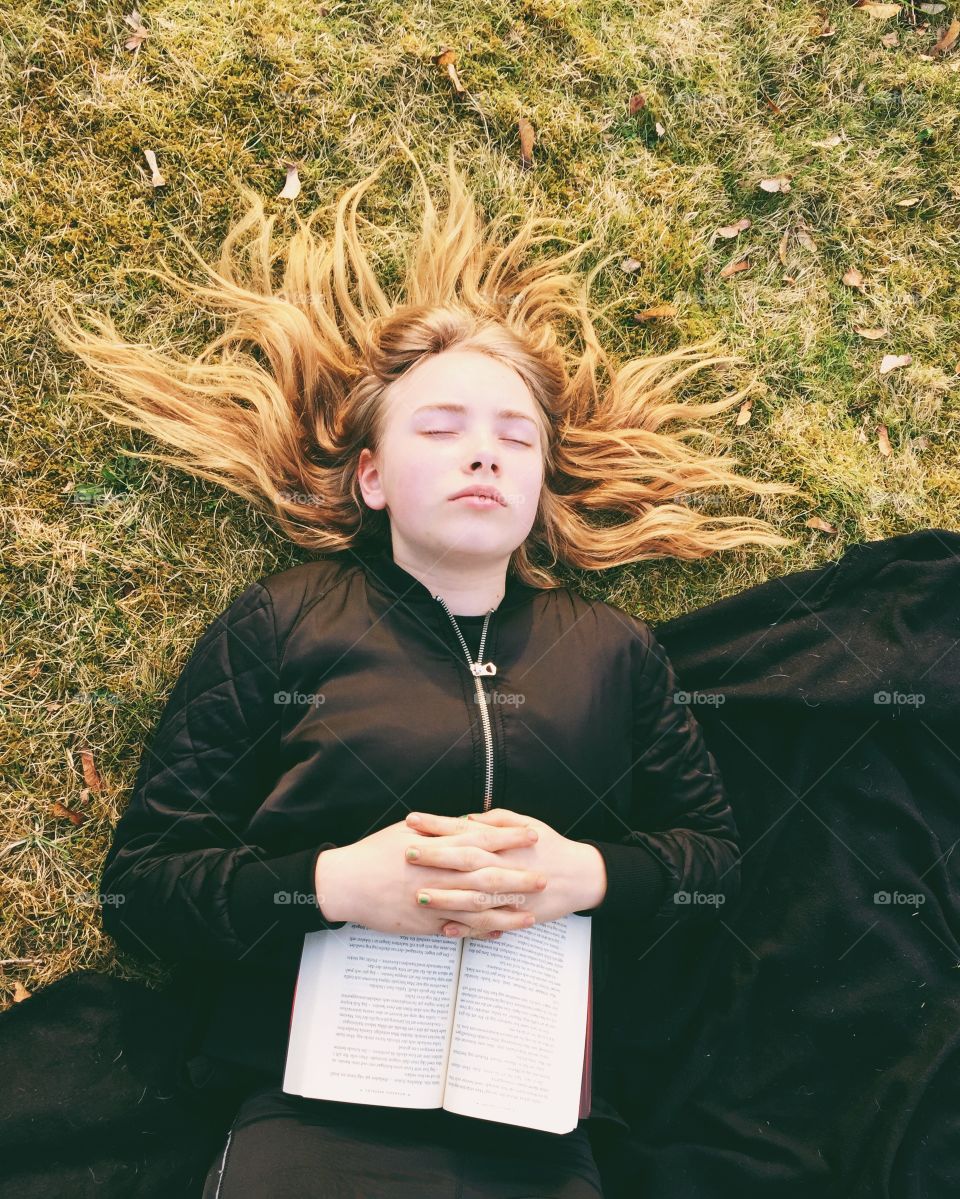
(484, 454)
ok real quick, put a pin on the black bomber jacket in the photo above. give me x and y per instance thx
(331, 699)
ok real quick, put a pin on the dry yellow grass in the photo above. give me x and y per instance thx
(112, 566)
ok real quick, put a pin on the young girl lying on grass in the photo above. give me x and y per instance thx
(333, 726)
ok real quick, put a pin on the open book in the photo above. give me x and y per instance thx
(499, 1030)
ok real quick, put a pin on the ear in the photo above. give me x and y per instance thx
(368, 479)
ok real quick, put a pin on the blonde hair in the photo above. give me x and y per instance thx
(278, 408)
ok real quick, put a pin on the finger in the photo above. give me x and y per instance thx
(472, 901)
(443, 853)
(431, 822)
(501, 816)
(464, 930)
(477, 831)
(484, 871)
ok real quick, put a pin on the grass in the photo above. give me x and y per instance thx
(113, 566)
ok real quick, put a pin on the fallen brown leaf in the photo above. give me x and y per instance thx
(909, 202)
(890, 40)
(853, 278)
(660, 312)
(140, 32)
(734, 230)
(90, 774)
(58, 809)
(870, 334)
(780, 183)
(821, 525)
(155, 177)
(948, 38)
(636, 103)
(526, 142)
(291, 189)
(630, 265)
(446, 59)
(733, 268)
(891, 362)
(782, 247)
(20, 992)
(746, 409)
(880, 12)
(883, 441)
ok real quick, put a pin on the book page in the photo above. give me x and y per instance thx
(519, 1028)
(372, 1017)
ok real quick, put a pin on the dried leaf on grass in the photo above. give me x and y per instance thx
(660, 312)
(948, 38)
(728, 231)
(880, 12)
(446, 60)
(291, 189)
(140, 32)
(526, 142)
(734, 268)
(155, 177)
(91, 775)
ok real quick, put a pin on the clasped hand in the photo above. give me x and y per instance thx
(507, 871)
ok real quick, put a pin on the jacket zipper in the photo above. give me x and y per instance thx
(478, 669)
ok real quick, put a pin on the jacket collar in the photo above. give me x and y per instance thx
(389, 579)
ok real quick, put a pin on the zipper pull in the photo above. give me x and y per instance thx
(479, 668)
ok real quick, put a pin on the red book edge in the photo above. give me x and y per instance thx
(586, 1089)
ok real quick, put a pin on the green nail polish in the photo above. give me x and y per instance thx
(423, 899)
(412, 854)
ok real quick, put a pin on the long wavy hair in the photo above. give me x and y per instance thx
(278, 407)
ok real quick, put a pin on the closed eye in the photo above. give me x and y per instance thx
(451, 433)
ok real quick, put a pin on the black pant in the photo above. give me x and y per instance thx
(286, 1147)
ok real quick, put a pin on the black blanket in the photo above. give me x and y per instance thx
(806, 1044)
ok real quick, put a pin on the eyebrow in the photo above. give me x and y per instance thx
(506, 413)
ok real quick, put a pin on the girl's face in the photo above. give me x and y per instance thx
(489, 437)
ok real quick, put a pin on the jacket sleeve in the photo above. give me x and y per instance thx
(180, 882)
(682, 858)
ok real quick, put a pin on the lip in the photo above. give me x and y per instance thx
(490, 493)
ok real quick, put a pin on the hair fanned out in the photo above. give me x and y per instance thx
(278, 407)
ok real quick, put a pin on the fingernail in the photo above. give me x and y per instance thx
(423, 899)
(413, 816)
(528, 920)
(451, 932)
(412, 854)
(531, 834)
(541, 880)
